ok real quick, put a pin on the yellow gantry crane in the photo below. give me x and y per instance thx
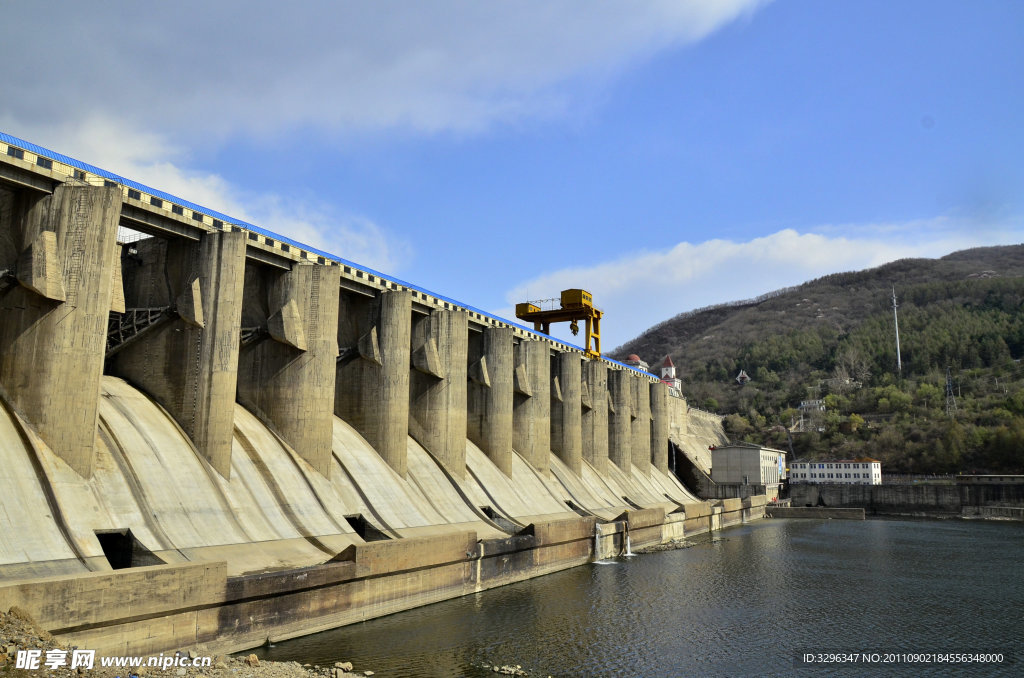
(576, 305)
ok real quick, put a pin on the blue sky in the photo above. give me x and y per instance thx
(664, 155)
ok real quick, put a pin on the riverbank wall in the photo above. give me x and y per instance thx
(816, 512)
(964, 499)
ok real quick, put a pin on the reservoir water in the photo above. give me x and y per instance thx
(747, 601)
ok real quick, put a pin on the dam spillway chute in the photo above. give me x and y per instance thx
(303, 443)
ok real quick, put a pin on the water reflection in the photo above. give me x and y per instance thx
(742, 604)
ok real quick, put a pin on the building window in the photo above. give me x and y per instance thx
(15, 152)
(178, 209)
(155, 201)
(45, 163)
(134, 195)
(80, 175)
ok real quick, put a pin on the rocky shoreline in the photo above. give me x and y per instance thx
(680, 544)
(18, 631)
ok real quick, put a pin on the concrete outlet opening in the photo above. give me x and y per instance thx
(365, 529)
(499, 520)
(123, 550)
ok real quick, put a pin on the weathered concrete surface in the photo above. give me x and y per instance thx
(814, 512)
(531, 434)
(566, 410)
(490, 398)
(589, 494)
(993, 512)
(409, 554)
(288, 380)
(660, 425)
(437, 407)
(620, 430)
(51, 350)
(142, 591)
(701, 432)
(276, 511)
(922, 499)
(595, 415)
(191, 370)
(880, 498)
(373, 376)
(641, 428)
(519, 494)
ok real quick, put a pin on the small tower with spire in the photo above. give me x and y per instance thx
(668, 374)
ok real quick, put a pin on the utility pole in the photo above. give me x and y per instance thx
(896, 322)
(950, 397)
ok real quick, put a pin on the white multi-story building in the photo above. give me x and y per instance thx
(850, 471)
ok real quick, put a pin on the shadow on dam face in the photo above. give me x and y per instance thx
(365, 529)
(123, 550)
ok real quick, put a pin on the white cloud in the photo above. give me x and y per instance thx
(641, 289)
(257, 67)
(130, 152)
(94, 79)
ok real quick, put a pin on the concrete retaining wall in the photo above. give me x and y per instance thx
(939, 500)
(814, 512)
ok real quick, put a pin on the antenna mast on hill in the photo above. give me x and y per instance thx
(896, 321)
(950, 398)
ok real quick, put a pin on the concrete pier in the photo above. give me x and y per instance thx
(438, 386)
(660, 423)
(567, 411)
(374, 336)
(188, 364)
(595, 417)
(288, 378)
(641, 426)
(620, 429)
(490, 397)
(63, 248)
(531, 417)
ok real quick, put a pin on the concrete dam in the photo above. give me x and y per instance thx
(214, 435)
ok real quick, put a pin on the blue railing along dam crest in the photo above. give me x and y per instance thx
(214, 434)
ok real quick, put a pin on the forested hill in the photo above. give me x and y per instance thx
(834, 338)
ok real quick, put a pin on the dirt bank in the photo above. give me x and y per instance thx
(18, 631)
